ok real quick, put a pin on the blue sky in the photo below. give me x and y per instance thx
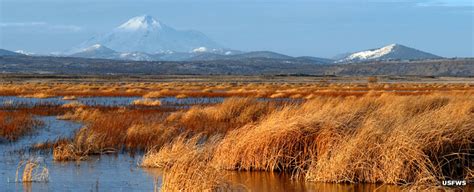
(295, 27)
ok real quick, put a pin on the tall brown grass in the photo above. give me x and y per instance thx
(372, 137)
(71, 90)
(186, 167)
(110, 131)
(114, 130)
(147, 102)
(387, 139)
(14, 124)
(65, 151)
(220, 118)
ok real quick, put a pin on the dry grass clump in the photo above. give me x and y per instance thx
(220, 118)
(110, 131)
(14, 124)
(81, 114)
(165, 156)
(389, 139)
(33, 170)
(73, 104)
(278, 95)
(64, 151)
(38, 95)
(186, 167)
(70, 97)
(287, 139)
(415, 141)
(146, 135)
(146, 102)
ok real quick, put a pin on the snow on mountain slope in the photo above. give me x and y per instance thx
(99, 51)
(23, 52)
(96, 51)
(389, 52)
(146, 34)
(144, 22)
(4, 52)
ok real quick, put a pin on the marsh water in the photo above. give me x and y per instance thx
(6, 101)
(120, 172)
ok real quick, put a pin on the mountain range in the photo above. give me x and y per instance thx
(386, 53)
(144, 38)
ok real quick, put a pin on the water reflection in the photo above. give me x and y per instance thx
(278, 182)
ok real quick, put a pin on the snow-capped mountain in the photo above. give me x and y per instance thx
(146, 34)
(389, 52)
(99, 51)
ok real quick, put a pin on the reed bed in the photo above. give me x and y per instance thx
(108, 131)
(14, 124)
(70, 90)
(220, 118)
(111, 131)
(391, 139)
(387, 139)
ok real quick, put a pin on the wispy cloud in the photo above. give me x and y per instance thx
(42, 25)
(17, 24)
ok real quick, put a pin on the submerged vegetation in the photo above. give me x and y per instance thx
(403, 134)
(32, 170)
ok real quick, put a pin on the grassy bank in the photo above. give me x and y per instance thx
(415, 140)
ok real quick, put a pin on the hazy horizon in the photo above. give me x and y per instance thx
(296, 28)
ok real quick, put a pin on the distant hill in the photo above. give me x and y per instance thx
(316, 59)
(251, 66)
(4, 52)
(389, 52)
(98, 51)
(247, 55)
